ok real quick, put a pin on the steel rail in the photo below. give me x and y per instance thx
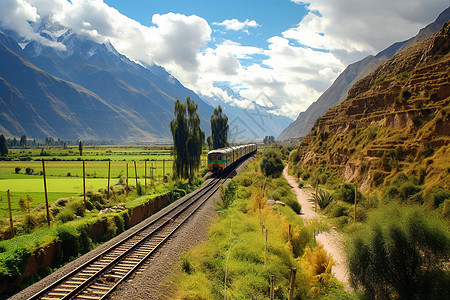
(214, 184)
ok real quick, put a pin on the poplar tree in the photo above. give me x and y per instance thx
(219, 128)
(3, 146)
(188, 139)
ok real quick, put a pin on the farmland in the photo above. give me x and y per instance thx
(22, 174)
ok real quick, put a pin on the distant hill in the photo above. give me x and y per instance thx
(396, 119)
(354, 72)
(87, 92)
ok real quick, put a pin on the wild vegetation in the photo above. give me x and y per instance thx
(233, 260)
(379, 163)
(71, 225)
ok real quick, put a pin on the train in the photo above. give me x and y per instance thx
(220, 159)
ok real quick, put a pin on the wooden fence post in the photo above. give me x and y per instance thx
(109, 178)
(145, 174)
(289, 233)
(45, 190)
(164, 167)
(316, 196)
(11, 224)
(84, 184)
(272, 290)
(127, 180)
(135, 173)
(265, 248)
(292, 285)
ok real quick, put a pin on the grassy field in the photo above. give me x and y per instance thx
(64, 171)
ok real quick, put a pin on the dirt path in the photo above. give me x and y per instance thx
(332, 241)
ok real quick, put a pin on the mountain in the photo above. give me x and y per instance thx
(396, 120)
(247, 119)
(337, 92)
(87, 91)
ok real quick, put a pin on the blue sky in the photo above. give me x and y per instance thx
(289, 50)
(273, 16)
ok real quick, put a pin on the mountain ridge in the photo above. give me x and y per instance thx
(337, 92)
(395, 120)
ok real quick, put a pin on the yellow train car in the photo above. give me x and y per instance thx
(220, 159)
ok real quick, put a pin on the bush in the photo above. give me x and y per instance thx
(17, 170)
(271, 164)
(29, 171)
(400, 254)
(323, 198)
(436, 197)
(140, 189)
(68, 237)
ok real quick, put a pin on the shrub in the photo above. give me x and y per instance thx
(271, 164)
(323, 198)
(437, 196)
(68, 237)
(29, 171)
(228, 194)
(65, 215)
(17, 170)
(140, 189)
(400, 255)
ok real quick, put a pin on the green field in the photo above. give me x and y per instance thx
(64, 171)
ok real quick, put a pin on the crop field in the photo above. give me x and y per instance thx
(64, 171)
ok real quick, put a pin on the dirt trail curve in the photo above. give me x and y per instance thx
(332, 241)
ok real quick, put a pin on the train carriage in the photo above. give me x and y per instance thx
(220, 159)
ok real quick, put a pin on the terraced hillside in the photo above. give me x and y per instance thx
(394, 120)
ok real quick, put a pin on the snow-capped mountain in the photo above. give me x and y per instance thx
(69, 87)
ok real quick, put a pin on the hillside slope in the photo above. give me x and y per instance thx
(396, 119)
(46, 92)
(337, 92)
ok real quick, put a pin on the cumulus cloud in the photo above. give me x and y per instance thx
(16, 14)
(292, 70)
(361, 27)
(236, 25)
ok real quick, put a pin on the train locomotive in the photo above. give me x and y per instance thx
(220, 159)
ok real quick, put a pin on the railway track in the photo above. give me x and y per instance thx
(100, 276)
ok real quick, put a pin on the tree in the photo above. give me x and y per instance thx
(80, 147)
(3, 146)
(188, 139)
(401, 254)
(268, 140)
(23, 141)
(271, 163)
(219, 128)
(209, 142)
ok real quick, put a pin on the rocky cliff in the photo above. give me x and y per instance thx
(337, 92)
(396, 119)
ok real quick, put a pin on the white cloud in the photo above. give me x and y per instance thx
(293, 69)
(237, 25)
(358, 27)
(15, 15)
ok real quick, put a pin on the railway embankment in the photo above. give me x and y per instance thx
(67, 241)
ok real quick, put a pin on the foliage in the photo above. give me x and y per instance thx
(228, 194)
(80, 147)
(3, 146)
(271, 163)
(188, 139)
(280, 190)
(269, 140)
(400, 254)
(323, 198)
(219, 128)
(235, 247)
